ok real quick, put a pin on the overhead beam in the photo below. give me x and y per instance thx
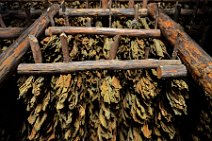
(103, 12)
(103, 31)
(10, 32)
(52, 68)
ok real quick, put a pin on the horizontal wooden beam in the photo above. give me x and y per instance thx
(51, 68)
(10, 32)
(103, 12)
(171, 71)
(196, 60)
(103, 31)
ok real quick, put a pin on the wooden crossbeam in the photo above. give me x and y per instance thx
(51, 68)
(103, 31)
(10, 32)
(104, 12)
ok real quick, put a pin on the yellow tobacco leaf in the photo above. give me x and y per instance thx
(116, 83)
(102, 119)
(82, 111)
(146, 132)
(137, 135)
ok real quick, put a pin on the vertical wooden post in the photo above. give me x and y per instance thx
(35, 47)
(104, 4)
(145, 3)
(114, 48)
(131, 3)
(64, 45)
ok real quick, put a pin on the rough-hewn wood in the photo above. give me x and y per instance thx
(64, 45)
(49, 68)
(197, 61)
(35, 47)
(103, 12)
(10, 32)
(114, 48)
(171, 71)
(10, 59)
(145, 3)
(103, 31)
(104, 4)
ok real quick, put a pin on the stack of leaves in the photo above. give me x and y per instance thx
(101, 105)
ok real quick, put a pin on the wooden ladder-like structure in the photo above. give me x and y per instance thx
(194, 59)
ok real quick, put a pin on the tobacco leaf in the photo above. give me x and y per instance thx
(137, 135)
(146, 131)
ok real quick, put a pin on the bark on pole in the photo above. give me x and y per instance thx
(171, 71)
(35, 47)
(10, 59)
(103, 31)
(197, 61)
(10, 32)
(52, 68)
(104, 12)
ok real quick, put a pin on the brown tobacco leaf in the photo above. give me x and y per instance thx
(137, 135)
(168, 129)
(109, 94)
(146, 88)
(24, 88)
(146, 131)
(116, 83)
(37, 86)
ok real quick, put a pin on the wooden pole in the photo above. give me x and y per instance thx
(114, 48)
(197, 61)
(51, 68)
(103, 12)
(104, 4)
(103, 31)
(10, 59)
(35, 47)
(171, 71)
(11, 32)
(131, 3)
(64, 45)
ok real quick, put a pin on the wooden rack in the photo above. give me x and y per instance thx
(198, 63)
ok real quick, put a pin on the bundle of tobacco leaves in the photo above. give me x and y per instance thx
(102, 105)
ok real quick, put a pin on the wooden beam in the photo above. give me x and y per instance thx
(171, 71)
(103, 12)
(103, 31)
(10, 59)
(197, 61)
(35, 47)
(64, 45)
(114, 47)
(51, 68)
(10, 32)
